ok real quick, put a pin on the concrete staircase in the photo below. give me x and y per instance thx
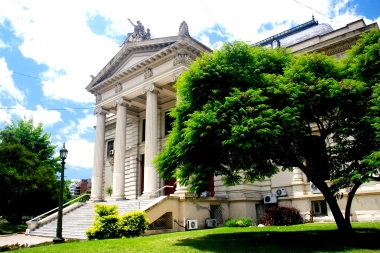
(76, 222)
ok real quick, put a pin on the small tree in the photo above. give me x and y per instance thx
(109, 190)
(27, 170)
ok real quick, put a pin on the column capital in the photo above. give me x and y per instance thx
(151, 88)
(101, 111)
(121, 102)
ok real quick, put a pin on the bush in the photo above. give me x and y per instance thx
(133, 224)
(282, 215)
(108, 224)
(105, 224)
(239, 222)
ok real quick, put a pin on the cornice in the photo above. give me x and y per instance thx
(191, 46)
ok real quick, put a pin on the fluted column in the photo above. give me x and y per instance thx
(118, 176)
(150, 174)
(297, 184)
(97, 171)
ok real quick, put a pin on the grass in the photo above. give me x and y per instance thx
(7, 228)
(312, 237)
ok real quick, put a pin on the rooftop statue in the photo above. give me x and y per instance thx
(138, 34)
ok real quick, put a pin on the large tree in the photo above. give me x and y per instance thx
(28, 168)
(243, 112)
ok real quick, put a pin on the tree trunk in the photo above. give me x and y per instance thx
(336, 212)
(351, 196)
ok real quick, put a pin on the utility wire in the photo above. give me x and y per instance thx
(225, 38)
(28, 76)
(318, 12)
(51, 109)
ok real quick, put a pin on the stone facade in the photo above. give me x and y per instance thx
(133, 93)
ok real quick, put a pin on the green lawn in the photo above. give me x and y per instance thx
(316, 237)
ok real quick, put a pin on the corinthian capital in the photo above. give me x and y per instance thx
(100, 111)
(121, 102)
(151, 88)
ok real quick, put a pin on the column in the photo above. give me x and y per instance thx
(97, 171)
(150, 173)
(297, 183)
(118, 176)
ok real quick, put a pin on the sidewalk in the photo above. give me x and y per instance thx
(23, 239)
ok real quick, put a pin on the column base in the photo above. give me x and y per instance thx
(117, 199)
(95, 200)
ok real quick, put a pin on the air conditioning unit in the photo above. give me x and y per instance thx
(205, 194)
(111, 152)
(211, 223)
(314, 189)
(192, 224)
(270, 198)
(281, 192)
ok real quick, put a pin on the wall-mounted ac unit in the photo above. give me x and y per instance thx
(281, 192)
(314, 188)
(270, 198)
(192, 224)
(205, 194)
(211, 223)
(111, 152)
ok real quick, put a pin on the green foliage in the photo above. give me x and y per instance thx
(242, 112)
(108, 224)
(282, 216)
(239, 222)
(133, 224)
(27, 170)
(109, 190)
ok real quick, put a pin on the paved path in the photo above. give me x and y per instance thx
(23, 239)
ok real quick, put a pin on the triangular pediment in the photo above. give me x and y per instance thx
(135, 57)
(130, 55)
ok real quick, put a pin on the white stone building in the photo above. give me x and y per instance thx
(135, 90)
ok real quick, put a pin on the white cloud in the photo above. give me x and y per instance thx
(5, 116)
(41, 115)
(55, 33)
(81, 153)
(3, 45)
(8, 89)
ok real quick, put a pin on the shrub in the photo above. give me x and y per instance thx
(105, 224)
(282, 215)
(133, 224)
(239, 222)
(108, 224)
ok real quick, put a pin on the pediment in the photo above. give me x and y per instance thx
(134, 58)
(130, 55)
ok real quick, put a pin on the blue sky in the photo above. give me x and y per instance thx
(49, 49)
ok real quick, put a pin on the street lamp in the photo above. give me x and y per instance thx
(58, 238)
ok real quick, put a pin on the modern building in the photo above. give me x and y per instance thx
(134, 92)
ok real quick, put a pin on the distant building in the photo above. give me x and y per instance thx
(78, 188)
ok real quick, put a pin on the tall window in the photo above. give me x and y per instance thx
(110, 150)
(143, 130)
(168, 123)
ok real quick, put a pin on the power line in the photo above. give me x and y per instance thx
(318, 12)
(48, 109)
(28, 76)
(225, 38)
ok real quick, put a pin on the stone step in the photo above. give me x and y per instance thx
(76, 222)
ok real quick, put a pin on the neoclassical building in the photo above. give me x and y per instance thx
(134, 92)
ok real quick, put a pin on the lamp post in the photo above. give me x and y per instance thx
(58, 238)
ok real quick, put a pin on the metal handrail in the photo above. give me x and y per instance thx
(148, 196)
(57, 207)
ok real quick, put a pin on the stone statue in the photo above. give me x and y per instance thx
(183, 29)
(138, 34)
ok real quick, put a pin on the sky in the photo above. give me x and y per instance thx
(49, 49)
